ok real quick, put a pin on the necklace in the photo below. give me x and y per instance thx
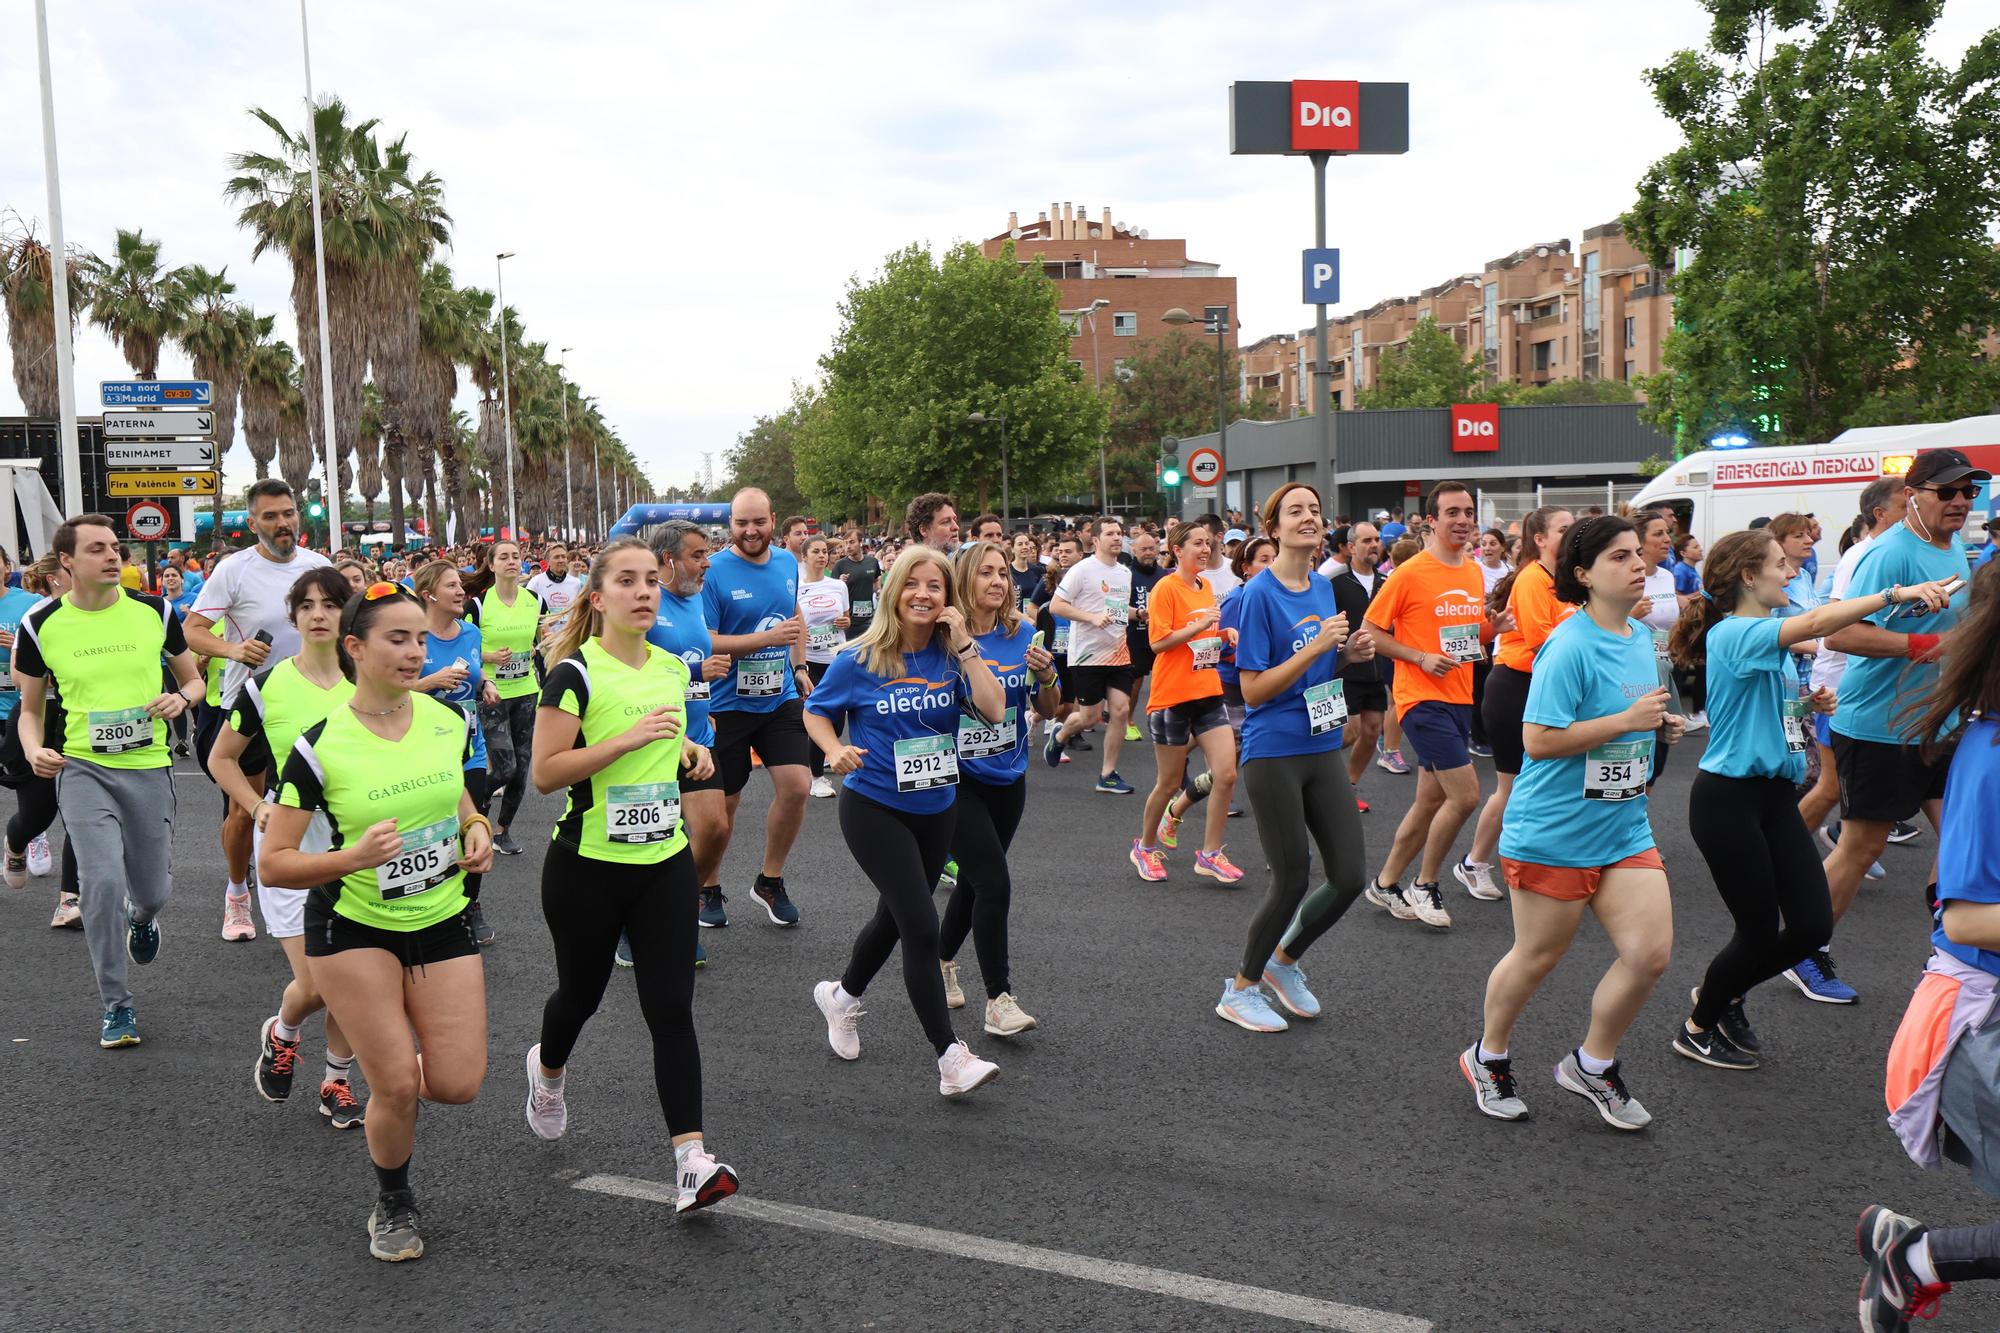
(396, 707)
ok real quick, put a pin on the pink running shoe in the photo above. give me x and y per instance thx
(1217, 866)
(236, 922)
(1152, 866)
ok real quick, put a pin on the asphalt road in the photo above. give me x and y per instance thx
(1341, 1162)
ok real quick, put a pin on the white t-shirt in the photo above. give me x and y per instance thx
(1829, 666)
(1494, 573)
(1329, 567)
(247, 594)
(556, 594)
(1369, 583)
(821, 603)
(1095, 585)
(1223, 579)
(1666, 606)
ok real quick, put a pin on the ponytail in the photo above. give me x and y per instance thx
(1736, 556)
(1532, 528)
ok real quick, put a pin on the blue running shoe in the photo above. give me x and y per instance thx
(1114, 785)
(778, 904)
(142, 938)
(1815, 979)
(624, 955)
(1052, 749)
(700, 953)
(713, 914)
(1248, 1009)
(121, 1028)
(1289, 981)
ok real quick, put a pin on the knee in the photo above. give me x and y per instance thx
(454, 1087)
(396, 1085)
(1650, 959)
(1531, 963)
(1225, 771)
(790, 781)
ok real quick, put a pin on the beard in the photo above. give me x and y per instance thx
(751, 543)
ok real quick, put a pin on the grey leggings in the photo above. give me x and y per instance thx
(1296, 797)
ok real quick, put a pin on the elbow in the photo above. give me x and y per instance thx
(1536, 743)
(545, 781)
(1959, 928)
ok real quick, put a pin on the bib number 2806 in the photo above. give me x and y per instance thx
(642, 812)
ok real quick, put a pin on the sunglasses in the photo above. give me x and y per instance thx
(1949, 493)
(375, 592)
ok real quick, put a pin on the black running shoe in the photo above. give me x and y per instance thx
(392, 1228)
(1891, 1293)
(1080, 743)
(778, 904)
(1904, 831)
(277, 1059)
(1711, 1048)
(482, 934)
(1735, 1025)
(337, 1102)
(503, 843)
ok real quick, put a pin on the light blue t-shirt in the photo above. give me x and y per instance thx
(1272, 624)
(1968, 836)
(908, 725)
(680, 630)
(997, 753)
(1751, 685)
(465, 649)
(1874, 689)
(14, 606)
(743, 597)
(1585, 810)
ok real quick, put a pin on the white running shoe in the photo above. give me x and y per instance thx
(960, 1071)
(841, 1019)
(822, 786)
(701, 1180)
(1006, 1018)
(1426, 904)
(236, 922)
(40, 859)
(954, 994)
(1477, 877)
(1697, 721)
(548, 1113)
(1389, 898)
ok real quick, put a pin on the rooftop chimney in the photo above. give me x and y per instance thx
(1013, 220)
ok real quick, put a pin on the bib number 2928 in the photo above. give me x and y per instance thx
(1326, 706)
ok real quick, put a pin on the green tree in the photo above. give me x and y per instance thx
(217, 336)
(1166, 388)
(766, 456)
(1428, 370)
(1835, 188)
(1565, 393)
(268, 370)
(136, 302)
(27, 292)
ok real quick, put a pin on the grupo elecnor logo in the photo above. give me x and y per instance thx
(1326, 115)
(1475, 428)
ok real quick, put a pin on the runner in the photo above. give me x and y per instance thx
(556, 586)
(100, 646)
(794, 533)
(1576, 833)
(1026, 570)
(274, 708)
(454, 673)
(15, 603)
(1252, 559)
(386, 929)
(993, 785)
(901, 690)
(1288, 648)
(1660, 610)
(1390, 760)
(1143, 560)
(933, 520)
(1095, 596)
(1430, 615)
(861, 571)
(824, 607)
(509, 619)
(610, 733)
(28, 828)
(1363, 681)
(1056, 633)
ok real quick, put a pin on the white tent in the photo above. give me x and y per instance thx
(30, 522)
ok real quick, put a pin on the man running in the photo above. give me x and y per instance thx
(1358, 549)
(556, 586)
(750, 601)
(796, 532)
(1146, 572)
(862, 573)
(247, 594)
(1095, 596)
(933, 520)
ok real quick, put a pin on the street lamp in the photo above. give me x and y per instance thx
(1089, 312)
(1006, 506)
(1219, 324)
(506, 393)
(569, 495)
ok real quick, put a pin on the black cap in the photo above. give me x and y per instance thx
(1940, 467)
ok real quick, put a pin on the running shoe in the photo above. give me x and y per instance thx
(121, 1028)
(1891, 1292)
(842, 1019)
(1493, 1090)
(948, 877)
(1479, 751)
(700, 953)
(1392, 761)
(277, 1060)
(142, 938)
(1904, 831)
(1288, 981)
(1697, 721)
(503, 843)
(622, 955)
(1734, 1024)
(1826, 838)
(16, 870)
(713, 914)
(1217, 866)
(1006, 1018)
(1875, 870)
(1113, 785)
(1389, 898)
(1248, 1009)
(1426, 904)
(1132, 735)
(1148, 861)
(960, 1071)
(954, 995)
(1361, 805)
(40, 859)
(482, 934)
(1169, 835)
(1712, 1048)
(1477, 877)
(1815, 979)
(1829, 836)
(337, 1102)
(392, 1228)
(1052, 749)
(702, 1180)
(822, 787)
(547, 1111)
(236, 922)
(1081, 742)
(69, 913)
(1065, 759)
(1606, 1091)
(777, 903)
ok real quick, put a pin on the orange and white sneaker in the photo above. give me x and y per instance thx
(236, 922)
(1152, 866)
(1169, 835)
(1217, 866)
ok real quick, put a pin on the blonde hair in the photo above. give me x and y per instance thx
(880, 646)
(968, 563)
(585, 620)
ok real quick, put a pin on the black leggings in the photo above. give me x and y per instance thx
(510, 743)
(1764, 864)
(588, 904)
(1296, 797)
(987, 818)
(477, 788)
(903, 855)
(35, 815)
(816, 671)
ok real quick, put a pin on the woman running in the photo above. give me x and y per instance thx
(27, 845)
(276, 706)
(1252, 559)
(509, 620)
(1660, 610)
(1743, 809)
(1576, 830)
(454, 668)
(900, 688)
(386, 929)
(15, 604)
(1185, 707)
(609, 733)
(993, 784)
(1288, 647)
(823, 606)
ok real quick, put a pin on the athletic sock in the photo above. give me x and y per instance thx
(1918, 1255)
(238, 889)
(284, 1031)
(1591, 1065)
(391, 1178)
(841, 996)
(337, 1068)
(1487, 1057)
(547, 1084)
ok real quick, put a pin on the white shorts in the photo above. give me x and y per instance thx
(285, 909)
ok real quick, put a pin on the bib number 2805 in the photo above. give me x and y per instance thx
(425, 860)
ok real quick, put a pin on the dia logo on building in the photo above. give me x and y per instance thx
(1475, 428)
(1326, 115)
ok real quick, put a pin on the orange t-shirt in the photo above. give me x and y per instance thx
(1434, 608)
(1187, 672)
(1536, 615)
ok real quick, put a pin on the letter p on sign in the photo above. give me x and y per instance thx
(1475, 428)
(1322, 277)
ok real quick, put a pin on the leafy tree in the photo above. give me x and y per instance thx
(217, 334)
(1836, 187)
(765, 456)
(1564, 393)
(27, 293)
(1166, 388)
(137, 303)
(1428, 370)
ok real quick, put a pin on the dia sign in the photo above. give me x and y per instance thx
(1326, 115)
(1475, 428)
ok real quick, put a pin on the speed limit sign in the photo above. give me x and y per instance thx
(147, 521)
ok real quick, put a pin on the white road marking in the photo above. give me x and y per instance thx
(1134, 1277)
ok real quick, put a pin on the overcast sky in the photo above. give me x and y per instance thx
(690, 187)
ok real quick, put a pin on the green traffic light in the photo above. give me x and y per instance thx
(1171, 477)
(316, 509)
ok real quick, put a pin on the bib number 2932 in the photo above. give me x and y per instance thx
(923, 762)
(425, 860)
(1461, 643)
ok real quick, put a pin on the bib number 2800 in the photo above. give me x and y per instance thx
(118, 730)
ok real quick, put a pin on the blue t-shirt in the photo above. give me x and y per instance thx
(916, 711)
(1968, 855)
(1273, 623)
(680, 630)
(1569, 811)
(1027, 584)
(463, 649)
(191, 581)
(1751, 682)
(1230, 617)
(997, 753)
(14, 607)
(1687, 579)
(743, 597)
(1874, 689)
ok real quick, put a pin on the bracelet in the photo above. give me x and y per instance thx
(1923, 648)
(1046, 681)
(1889, 597)
(466, 824)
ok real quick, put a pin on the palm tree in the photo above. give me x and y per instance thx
(295, 451)
(267, 375)
(27, 275)
(448, 322)
(136, 303)
(457, 456)
(213, 334)
(368, 450)
(395, 285)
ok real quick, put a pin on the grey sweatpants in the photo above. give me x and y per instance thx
(121, 822)
(1302, 801)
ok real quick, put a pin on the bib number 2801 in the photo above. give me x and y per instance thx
(424, 861)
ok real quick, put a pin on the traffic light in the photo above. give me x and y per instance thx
(316, 510)
(1170, 461)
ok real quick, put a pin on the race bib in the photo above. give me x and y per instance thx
(863, 608)
(1061, 646)
(1660, 638)
(760, 677)
(1795, 724)
(1326, 706)
(1118, 609)
(1461, 643)
(1617, 771)
(117, 730)
(979, 740)
(923, 762)
(642, 812)
(1207, 653)
(516, 667)
(697, 690)
(823, 639)
(426, 860)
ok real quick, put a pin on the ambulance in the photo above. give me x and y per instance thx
(1720, 491)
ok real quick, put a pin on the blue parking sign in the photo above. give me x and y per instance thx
(1322, 277)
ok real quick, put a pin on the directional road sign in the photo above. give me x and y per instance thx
(148, 521)
(157, 393)
(158, 425)
(161, 483)
(159, 453)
